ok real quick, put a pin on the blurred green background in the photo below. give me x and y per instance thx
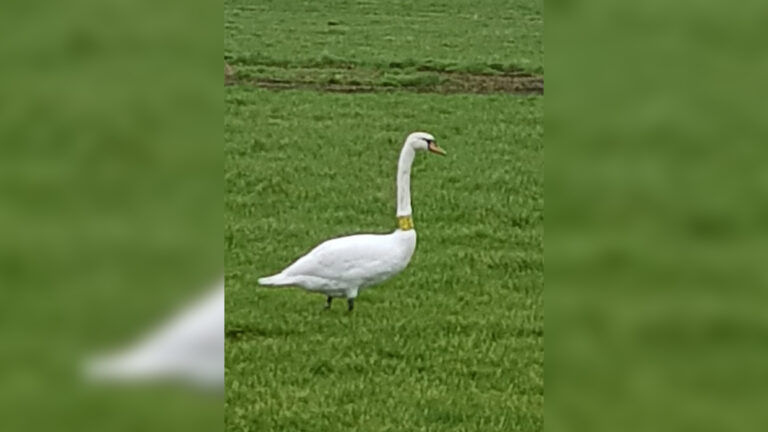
(656, 225)
(110, 201)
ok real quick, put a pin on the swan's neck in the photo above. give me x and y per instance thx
(404, 211)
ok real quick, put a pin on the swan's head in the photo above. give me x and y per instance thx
(424, 141)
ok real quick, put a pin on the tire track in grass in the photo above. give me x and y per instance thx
(354, 79)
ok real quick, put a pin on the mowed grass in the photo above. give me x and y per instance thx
(455, 342)
(465, 35)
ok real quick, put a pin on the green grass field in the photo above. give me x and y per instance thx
(455, 342)
(386, 33)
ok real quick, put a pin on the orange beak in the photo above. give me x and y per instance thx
(435, 149)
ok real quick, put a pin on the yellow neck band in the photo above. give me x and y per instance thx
(405, 223)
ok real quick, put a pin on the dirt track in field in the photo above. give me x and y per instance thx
(446, 83)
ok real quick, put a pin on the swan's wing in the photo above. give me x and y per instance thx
(352, 256)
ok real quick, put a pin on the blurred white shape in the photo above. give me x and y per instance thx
(188, 348)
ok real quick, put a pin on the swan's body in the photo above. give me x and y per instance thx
(189, 347)
(343, 266)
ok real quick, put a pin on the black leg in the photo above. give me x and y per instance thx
(351, 304)
(328, 302)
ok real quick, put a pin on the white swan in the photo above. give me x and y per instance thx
(343, 266)
(188, 348)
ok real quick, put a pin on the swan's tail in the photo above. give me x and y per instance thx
(275, 280)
